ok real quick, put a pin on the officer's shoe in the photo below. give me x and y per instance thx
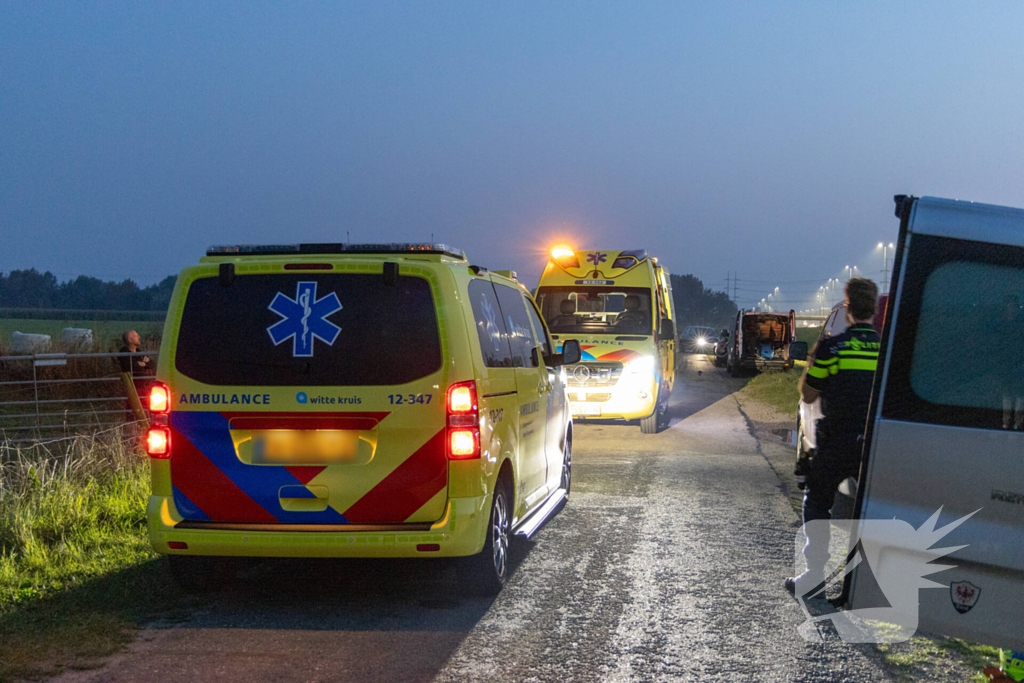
(806, 582)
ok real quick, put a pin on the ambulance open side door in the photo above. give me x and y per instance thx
(946, 425)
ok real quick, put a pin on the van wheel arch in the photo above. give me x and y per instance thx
(506, 476)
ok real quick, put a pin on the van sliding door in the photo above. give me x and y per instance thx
(946, 432)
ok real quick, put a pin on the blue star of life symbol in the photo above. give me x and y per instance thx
(597, 258)
(304, 318)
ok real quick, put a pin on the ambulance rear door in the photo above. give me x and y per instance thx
(946, 427)
(310, 398)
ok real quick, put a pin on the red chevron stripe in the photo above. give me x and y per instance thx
(209, 488)
(406, 489)
(620, 355)
(305, 473)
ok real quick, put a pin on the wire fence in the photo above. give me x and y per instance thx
(49, 397)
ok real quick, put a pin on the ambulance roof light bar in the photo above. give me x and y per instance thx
(334, 248)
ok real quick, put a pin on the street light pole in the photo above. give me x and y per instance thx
(885, 265)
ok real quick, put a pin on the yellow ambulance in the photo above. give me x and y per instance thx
(338, 400)
(618, 305)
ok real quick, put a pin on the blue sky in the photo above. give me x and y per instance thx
(763, 138)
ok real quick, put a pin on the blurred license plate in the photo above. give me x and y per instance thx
(307, 447)
(578, 409)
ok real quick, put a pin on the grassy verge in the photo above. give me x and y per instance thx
(77, 575)
(809, 335)
(777, 389)
(919, 658)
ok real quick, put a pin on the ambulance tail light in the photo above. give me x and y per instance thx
(463, 411)
(159, 399)
(158, 442)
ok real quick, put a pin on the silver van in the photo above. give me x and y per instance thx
(946, 426)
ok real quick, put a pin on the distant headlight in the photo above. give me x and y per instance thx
(640, 366)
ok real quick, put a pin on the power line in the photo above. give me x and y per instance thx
(785, 282)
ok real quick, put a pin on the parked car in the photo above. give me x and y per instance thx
(760, 341)
(697, 339)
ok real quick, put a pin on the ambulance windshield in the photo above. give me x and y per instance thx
(596, 310)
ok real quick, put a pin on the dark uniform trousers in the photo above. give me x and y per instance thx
(838, 457)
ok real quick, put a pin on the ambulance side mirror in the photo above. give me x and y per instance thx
(571, 353)
(798, 351)
(668, 329)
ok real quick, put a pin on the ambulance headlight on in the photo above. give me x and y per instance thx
(641, 366)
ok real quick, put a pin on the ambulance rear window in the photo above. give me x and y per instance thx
(309, 330)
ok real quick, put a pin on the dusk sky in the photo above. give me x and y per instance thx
(762, 138)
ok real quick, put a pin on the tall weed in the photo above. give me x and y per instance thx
(69, 510)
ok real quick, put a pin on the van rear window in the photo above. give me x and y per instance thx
(308, 330)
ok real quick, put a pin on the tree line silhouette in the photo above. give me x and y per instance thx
(699, 305)
(695, 303)
(32, 289)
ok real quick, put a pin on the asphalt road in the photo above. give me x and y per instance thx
(667, 564)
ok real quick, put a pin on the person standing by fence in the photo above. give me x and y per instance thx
(135, 367)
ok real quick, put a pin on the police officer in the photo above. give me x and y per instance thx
(842, 374)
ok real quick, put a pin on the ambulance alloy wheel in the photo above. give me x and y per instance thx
(197, 574)
(486, 572)
(566, 481)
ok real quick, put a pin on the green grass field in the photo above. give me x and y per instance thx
(77, 575)
(777, 389)
(808, 334)
(106, 333)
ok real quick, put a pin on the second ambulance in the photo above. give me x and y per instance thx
(618, 304)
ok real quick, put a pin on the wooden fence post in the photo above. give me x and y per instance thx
(133, 399)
